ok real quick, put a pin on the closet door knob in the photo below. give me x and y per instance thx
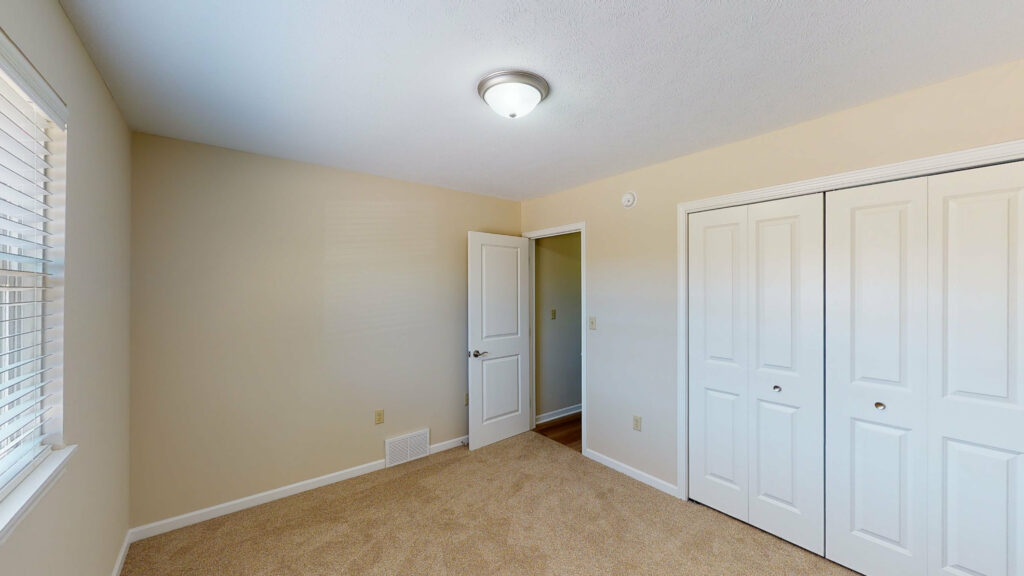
(879, 406)
(777, 388)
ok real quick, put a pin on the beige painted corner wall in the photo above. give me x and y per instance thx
(275, 305)
(557, 342)
(78, 527)
(631, 254)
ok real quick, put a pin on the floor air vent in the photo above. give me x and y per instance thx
(406, 447)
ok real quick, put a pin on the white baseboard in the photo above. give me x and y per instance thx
(161, 526)
(633, 472)
(449, 444)
(119, 565)
(549, 416)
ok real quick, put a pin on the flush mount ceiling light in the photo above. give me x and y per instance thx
(513, 93)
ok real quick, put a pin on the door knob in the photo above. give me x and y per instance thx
(879, 406)
(777, 388)
(477, 353)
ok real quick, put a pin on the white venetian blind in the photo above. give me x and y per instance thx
(32, 150)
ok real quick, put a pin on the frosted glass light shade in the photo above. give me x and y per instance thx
(513, 93)
(512, 100)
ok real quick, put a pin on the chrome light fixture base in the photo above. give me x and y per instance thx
(517, 76)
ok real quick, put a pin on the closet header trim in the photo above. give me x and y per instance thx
(965, 159)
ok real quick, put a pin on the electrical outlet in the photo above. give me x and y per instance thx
(467, 398)
(593, 323)
(378, 416)
(553, 313)
(637, 423)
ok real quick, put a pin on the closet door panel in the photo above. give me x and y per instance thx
(976, 392)
(718, 359)
(786, 353)
(876, 377)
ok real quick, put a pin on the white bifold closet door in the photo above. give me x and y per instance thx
(718, 359)
(756, 354)
(925, 384)
(976, 380)
(877, 377)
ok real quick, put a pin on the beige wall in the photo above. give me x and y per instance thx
(557, 342)
(275, 305)
(631, 254)
(79, 526)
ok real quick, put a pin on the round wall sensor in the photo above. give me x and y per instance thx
(629, 199)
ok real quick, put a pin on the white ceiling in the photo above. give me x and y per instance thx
(389, 87)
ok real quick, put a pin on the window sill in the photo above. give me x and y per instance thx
(18, 503)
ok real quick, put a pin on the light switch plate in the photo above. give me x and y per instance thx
(378, 416)
(554, 313)
(637, 423)
(592, 323)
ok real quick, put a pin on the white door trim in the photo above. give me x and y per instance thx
(580, 227)
(972, 158)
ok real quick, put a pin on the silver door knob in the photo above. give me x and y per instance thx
(477, 353)
(879, 406)
(777, 388)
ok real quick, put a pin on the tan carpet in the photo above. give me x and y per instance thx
(527, 505)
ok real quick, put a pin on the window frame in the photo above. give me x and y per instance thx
(32, 483)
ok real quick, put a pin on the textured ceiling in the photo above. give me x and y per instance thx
(389, 87)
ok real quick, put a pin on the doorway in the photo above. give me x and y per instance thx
(502, 387)
(558, 322)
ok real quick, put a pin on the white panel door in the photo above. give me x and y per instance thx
(499, 342)
(785, 343)
(976, 381)
(717, 265)
(877, 377)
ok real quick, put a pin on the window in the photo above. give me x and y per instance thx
(32, 200)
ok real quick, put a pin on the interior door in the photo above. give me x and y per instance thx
(785, 407)
(876, 377)
(976, 385)
(717, 264)
(499, 341)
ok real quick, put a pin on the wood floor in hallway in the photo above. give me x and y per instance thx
(567, 430)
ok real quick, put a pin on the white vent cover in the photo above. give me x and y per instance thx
(406, 447)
